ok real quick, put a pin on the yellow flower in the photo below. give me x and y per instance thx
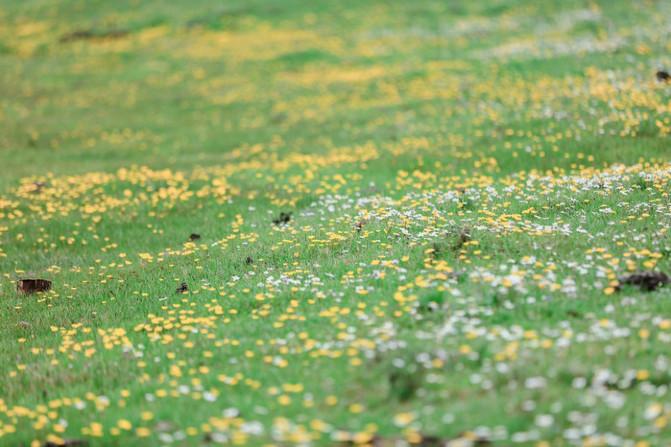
(124, 424)
(403, 419)
(142, 432)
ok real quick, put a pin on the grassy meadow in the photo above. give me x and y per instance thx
(336, 223)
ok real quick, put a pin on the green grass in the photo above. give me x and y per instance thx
(468, 182)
